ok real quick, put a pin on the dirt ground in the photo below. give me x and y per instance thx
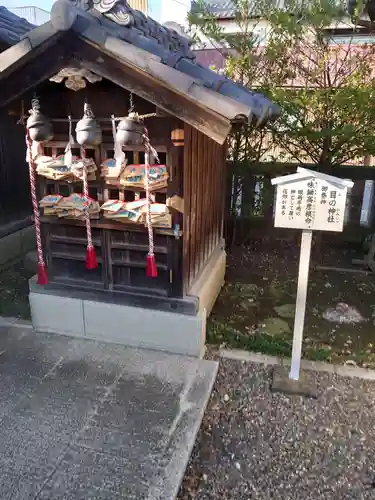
(255, 310)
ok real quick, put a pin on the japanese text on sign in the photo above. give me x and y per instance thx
(310, 204)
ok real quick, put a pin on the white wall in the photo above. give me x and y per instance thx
(33, 15)
(262, 28)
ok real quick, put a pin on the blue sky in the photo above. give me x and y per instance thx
(154, 6)
(47, 4)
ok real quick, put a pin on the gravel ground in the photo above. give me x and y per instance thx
(254, 444)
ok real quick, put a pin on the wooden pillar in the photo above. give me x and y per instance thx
(176, 188)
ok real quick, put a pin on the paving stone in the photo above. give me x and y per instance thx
(19, 486)
(31, 446)
(86, 474)
(20, 369)
(86, 420)
(135, 419)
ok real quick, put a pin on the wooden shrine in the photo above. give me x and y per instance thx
(182, 249)
(189, 112)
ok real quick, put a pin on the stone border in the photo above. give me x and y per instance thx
(14, 246)
(15, 225)
(11, 322)
(317, 366)
(250, 357)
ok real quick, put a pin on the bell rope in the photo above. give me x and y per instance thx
(91, 260)
(42, 271)
(151, 268)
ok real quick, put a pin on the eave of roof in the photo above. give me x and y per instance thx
(136, 48)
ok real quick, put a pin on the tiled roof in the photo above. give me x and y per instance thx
(174, 51)
(12, 27)
(112, 26)
(210, 58)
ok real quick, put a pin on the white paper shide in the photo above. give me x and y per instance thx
(310, 200)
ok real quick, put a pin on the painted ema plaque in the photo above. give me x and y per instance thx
(310, 200)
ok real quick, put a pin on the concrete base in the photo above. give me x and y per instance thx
(282, 383)
(90, 315)
(210, 280)
(63, 313)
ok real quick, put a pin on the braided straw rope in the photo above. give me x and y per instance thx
(34, 201)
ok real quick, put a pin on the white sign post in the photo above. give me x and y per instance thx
(310, 201)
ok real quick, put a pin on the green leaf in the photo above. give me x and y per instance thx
(324, 89)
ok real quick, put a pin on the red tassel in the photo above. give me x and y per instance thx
(91, 261)
(151, 269)
(42, 275)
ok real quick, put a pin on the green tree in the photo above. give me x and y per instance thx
(251, 61)
(325, 89)
(248, 59)
(328, 119)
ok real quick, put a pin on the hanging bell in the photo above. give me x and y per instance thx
(38, 125)
(130, 131)
(88, 130)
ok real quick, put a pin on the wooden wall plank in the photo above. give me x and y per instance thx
(194, 203)
(187, 174)
(212, 214)
(199, 165)
(204, 175)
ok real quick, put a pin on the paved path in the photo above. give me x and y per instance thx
(83, 420)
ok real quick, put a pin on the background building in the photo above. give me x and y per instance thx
(32, 14)
(37, 15)
(174, 11)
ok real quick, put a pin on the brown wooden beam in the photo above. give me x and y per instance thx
(149, 88)
(39, 65)
(273, 169)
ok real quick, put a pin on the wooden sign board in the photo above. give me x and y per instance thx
(310, 200)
